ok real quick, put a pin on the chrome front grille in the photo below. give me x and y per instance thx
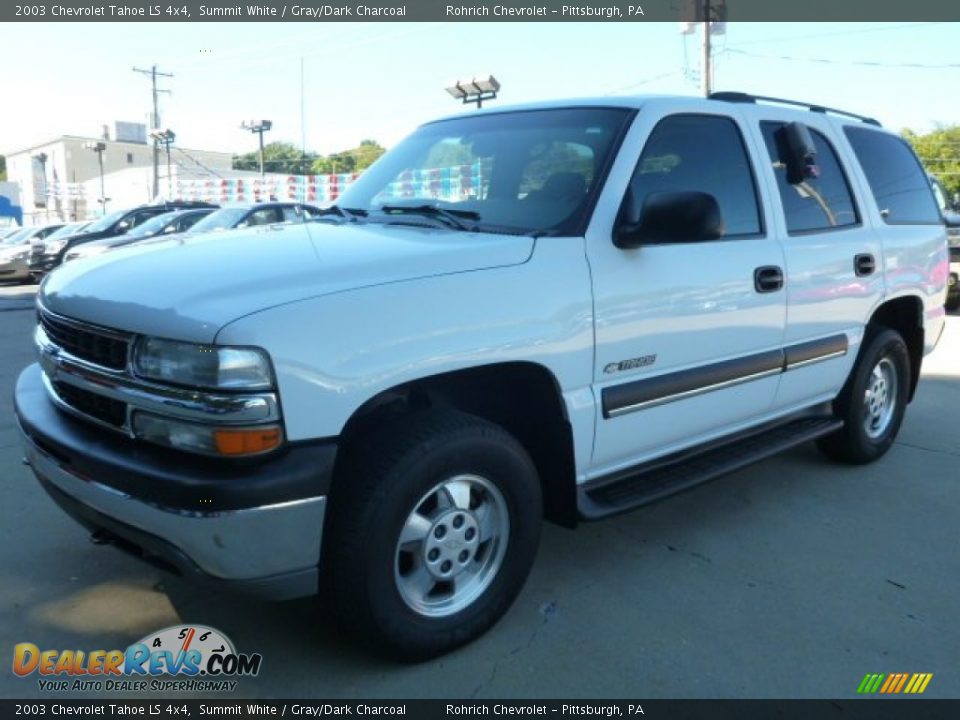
(106, 410)
(97, 346)
(88, 374)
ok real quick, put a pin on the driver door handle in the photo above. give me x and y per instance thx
(768, 278)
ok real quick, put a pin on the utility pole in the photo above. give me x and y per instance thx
(155, 121)
(705, 80)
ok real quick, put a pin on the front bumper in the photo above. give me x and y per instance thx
(44, 263)
(15, 269)
(253, 526)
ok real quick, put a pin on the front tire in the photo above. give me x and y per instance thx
(433, 528)
(873, 401)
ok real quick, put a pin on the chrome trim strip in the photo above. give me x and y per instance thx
(178, 403)
(85, 326)
(691, 393)
(806, 353)
(811, 361)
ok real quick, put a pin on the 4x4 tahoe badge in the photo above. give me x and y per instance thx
(630, 364)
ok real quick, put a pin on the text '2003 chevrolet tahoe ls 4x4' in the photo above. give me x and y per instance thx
(563, 310)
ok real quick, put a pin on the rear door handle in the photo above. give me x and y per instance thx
(767, 279)
(864, 264)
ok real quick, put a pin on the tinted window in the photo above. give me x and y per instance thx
(897, 181)
(702, 153)
(535, 171)
(818, 203)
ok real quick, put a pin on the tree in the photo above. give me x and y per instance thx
(3, 168)
(278, 157)
(939, 151)
(356, 159)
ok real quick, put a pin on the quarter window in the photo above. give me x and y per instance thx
(702, 153)
(820, 203)
(897, 181)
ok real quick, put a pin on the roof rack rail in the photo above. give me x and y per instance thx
(739, 97)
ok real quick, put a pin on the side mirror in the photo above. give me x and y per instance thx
(670, 217)
(169, 229)
(123, 226)
(797, 152)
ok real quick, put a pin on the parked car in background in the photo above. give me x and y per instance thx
(170, 223)
(14, 258)
(112, 225)
(6, 232)
(33, 233)
(951, 218)
(243, 215)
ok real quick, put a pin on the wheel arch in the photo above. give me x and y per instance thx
(905, 315)
(522, 397)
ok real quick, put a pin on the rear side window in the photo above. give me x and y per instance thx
(821, 203)
(703, 153)
(897, 180)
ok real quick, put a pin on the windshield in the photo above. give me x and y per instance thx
(152, 226)
(66, 231)
(220, 219)
(105, 223)
(522, 172)
(17, 236)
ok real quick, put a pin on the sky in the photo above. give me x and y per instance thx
(380, 80)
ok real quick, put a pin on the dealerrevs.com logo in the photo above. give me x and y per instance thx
(188, 658)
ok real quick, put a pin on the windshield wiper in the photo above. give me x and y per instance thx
(450, 217)
(341, 212)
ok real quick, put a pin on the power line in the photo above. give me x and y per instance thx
(858, 31)
(863, 63)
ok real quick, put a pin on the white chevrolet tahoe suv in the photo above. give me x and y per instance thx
(561, 311)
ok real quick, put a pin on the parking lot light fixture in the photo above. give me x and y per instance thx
(166, 137)
(98, 148)
(259, 127)
(476, 90)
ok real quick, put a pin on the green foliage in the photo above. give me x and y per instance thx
(284, 157)
(356, 159)
(939, 151)
(278, 157)
(3, 168)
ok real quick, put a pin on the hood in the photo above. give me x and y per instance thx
(189, 288)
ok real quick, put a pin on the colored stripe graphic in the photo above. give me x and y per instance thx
(894, 683)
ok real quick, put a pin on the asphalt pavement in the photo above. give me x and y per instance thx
(793, 578)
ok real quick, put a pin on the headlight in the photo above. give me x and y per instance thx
(203, 366)
(193, 437)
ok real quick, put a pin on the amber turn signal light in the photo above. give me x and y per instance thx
(248, 441)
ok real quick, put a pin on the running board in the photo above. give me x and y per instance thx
(686, 470)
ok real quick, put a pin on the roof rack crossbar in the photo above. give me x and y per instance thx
(739, 97)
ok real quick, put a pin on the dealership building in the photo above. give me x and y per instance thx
(60, 180)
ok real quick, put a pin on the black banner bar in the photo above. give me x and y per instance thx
(866, 709)
(473, 11)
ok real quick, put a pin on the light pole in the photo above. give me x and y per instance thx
(475, 91)
(42, 159)
(259, 127)
(167, 137)
(98, 148)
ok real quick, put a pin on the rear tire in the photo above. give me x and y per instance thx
(873, 401)
(433, 527)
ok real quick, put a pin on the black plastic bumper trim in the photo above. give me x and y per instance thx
(169, 478)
